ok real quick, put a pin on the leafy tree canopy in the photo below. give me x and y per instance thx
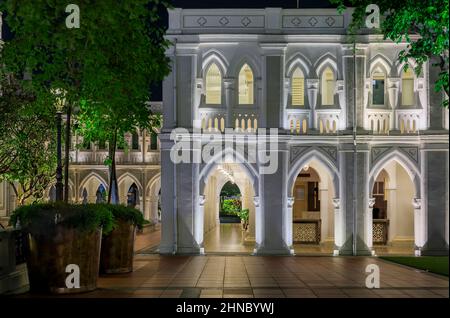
(27, 149)
(106, 66)
(230, 190)
(400, 19)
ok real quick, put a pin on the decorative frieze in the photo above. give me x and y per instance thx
(313, 21)
(223, 21)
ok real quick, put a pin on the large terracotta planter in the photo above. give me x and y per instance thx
(48, 255)
(118, 249)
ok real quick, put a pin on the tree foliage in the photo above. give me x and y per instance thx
(400, 20)
(27, 149)
(106, 66)
(230, 190)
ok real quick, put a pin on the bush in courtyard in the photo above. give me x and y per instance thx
(42, 218)
(244, 215)
(125, 213)
(231, 207)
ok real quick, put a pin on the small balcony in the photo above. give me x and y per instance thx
(405, 121)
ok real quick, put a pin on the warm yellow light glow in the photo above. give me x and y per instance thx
(213, 85)
(328, 83)
(298, 88)
(408, 88)
(246, 85)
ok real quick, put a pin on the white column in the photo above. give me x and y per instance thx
(288, 221)
(419, 226)
(199, 220)
(154, 207)
(141, 204)
(313, 89)
(229, 89)
(338, 226)
(250, 235)
(148, 209)
(369, 224)
(258, 223)
(323, 195)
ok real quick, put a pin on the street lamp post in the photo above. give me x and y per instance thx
(60, 102)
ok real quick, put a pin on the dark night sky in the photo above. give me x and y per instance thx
(157, 90)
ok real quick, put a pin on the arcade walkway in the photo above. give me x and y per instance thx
(271, 277)
(228, 239)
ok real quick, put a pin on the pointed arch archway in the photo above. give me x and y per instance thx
(405, 219)
(210, 178)
(89, 185)
(313, 176)
(124, 182)
(152, 197)
(327, 60)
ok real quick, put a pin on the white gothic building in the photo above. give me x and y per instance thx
(355, 176)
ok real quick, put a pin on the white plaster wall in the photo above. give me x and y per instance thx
(404, 228)
(211, 204)
(399, 194)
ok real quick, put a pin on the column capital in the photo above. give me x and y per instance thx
(336, 203)
(290, 202)
(256, 201)
(371, 202)
(201, 200)
(228, 82)
(417, 203)
(312, 83)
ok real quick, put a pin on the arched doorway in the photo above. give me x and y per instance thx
(93, 189)
(228, 211)
(153, 199)
(392, 211)
(133, 196)
(100, 194)
(84, 196)
(312, 210)
(148, 241)
(130, 191)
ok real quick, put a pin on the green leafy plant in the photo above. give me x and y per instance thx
(399, 20)
(42, 218)
(244, 215)
(231, 207)
(106, 66)
(27, 143)
(124, 213)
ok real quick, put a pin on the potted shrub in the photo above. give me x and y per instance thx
(58, 235)
(117, 250)
(244, 214)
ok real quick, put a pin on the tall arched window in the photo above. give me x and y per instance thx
(100, 194)
(84, 196)
(378, 87)
(246, 85)
(298, 88)
(213, 85)
(133, 196)
(135, 140)
(328, 85)
(408, 87)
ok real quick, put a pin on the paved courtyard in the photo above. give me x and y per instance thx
(245, 276)
(265, 277)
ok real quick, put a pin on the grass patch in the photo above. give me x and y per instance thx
(433, 264)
